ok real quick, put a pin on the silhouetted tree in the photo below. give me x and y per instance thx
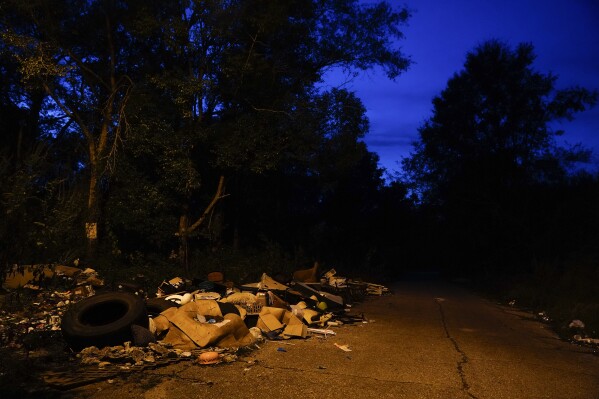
(490, 139)
(202, 87)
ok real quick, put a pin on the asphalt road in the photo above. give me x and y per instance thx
(428, 340)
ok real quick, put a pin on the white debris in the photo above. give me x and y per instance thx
(576, 324)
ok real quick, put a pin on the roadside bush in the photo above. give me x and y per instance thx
(565, 290)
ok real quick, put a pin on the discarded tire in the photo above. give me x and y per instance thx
(103, 320)
(155, 306)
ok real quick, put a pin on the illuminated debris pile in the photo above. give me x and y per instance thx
(185, 315)
(40, 317)
(37, 277)
(28, 317)
(331, 280)
(127, 356)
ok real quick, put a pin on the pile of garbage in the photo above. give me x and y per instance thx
(28, 324)
(127, 325)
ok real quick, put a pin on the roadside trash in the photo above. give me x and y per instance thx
(322, 331)
(376, 289)
(333, 281)
(123, 328)
(103, 320)
(543, 315)
(209, 358)
(272, 319)
(155, 306)
(32, 276)
(344, 348)
(576, 324)
(83, 291)
(352, 287)
(91, 277)
(216, 277)
(183, 331)
(141, 336)
(275, 334)
(275, 301)
(331, 300)
(172, 286)
(298, 310)
(279, 349)
(306, 275)
(266, 283)
(256, 332)
(207, 295)
(586, 340)
(179, 299)
(133, 288)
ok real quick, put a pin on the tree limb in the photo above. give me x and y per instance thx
(217, 196)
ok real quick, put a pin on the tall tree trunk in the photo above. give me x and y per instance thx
(93, 215)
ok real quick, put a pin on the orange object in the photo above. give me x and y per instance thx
(216, 277)
(209, 358)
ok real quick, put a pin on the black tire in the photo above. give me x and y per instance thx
(103, 320)
(155, 306)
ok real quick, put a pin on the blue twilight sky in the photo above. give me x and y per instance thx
(565, 35)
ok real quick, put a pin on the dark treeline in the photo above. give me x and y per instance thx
(509, 206)
(196, 131)
(142, 135)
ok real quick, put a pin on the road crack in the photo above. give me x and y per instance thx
(463, 358)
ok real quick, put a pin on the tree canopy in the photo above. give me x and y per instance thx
(489, 142)
(146, 105)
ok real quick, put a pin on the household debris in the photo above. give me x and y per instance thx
(344, 348)
(202, 323)
(586, 340)
(34, 277)
(120, 328)
(576, 324)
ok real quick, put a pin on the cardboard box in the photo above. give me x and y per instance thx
(271, 319)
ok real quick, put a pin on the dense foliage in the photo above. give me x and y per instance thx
(197, 135)
(489, 169)
(121, 118)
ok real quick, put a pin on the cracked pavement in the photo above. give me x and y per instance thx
(428, 340)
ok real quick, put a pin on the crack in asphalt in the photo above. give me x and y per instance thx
(464, 358)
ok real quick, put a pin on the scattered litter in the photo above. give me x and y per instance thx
(209, 357)
(275, 309)
(344, 348)
(576, 324)
(586, 340)
(322, 331)
(543, 315)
